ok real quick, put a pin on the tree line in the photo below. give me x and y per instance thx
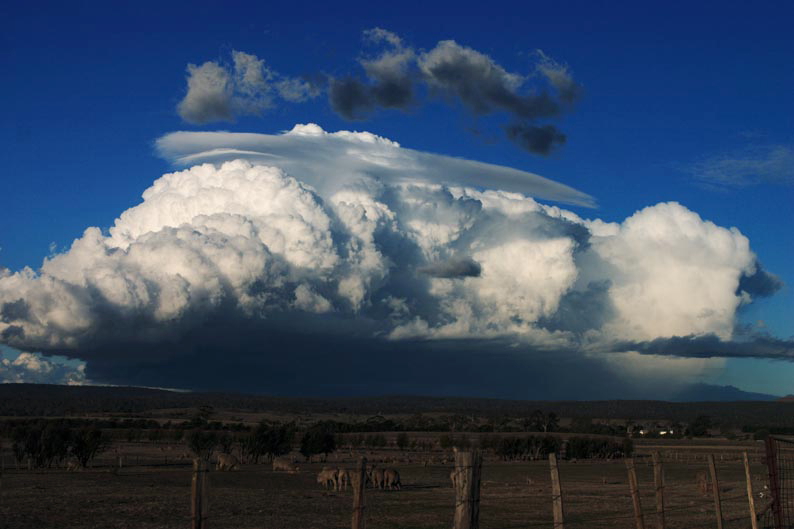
(49, 443)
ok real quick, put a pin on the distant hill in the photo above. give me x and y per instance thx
(707, 392)
(51, 400)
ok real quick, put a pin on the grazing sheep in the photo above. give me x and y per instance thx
(327, 478)
(704, 485)
(342, 478)
(284, 465)
(227, 462)
(391, 479)
(375, 476)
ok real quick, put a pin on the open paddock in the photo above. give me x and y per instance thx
(153, 494)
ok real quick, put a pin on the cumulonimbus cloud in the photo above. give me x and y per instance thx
(343, 249)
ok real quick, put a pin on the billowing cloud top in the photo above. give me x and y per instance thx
(296, 249)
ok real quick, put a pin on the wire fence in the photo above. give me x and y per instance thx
(597, 494)
(779, 512)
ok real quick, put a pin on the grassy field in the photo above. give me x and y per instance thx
(152, 490)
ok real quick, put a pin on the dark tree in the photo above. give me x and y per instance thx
(202, 443)
(317, 440)
(700, 426)
(402, 441)
(537, 421)
(226, 442)
(86, 443)
(18, 437)
(268, 440)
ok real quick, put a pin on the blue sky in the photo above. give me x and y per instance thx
(671, 91)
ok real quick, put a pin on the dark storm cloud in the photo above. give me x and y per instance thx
(711, 346)
(536, 139)
(457, 267)
(760, 284)
(287, 361)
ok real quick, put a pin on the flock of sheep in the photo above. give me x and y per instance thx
(330, 478)
(339, 478)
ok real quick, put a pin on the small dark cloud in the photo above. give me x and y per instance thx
(456, 267)
(535, 139)
(394, 92)
(560, 78)
(391, 83)
(711, 346)
(354, 100)
(350, 98)
(481, 84)
(759, 284)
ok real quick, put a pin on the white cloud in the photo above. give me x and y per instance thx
(334, 234)
(30, 368)
(329, 161)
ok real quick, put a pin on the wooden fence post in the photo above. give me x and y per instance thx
(635, 494)
(468, 466)
(556, 493)
(774, 481)
(658, 480)
(359, 481)
(199, 495)
(715, 488)
(750, 499)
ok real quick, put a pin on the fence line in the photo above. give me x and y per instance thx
(466, 508)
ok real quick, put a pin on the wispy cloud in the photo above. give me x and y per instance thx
(761, 165)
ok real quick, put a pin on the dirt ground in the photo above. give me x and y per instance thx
(152, 490)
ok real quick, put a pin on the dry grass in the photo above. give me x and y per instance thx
(513, 495)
